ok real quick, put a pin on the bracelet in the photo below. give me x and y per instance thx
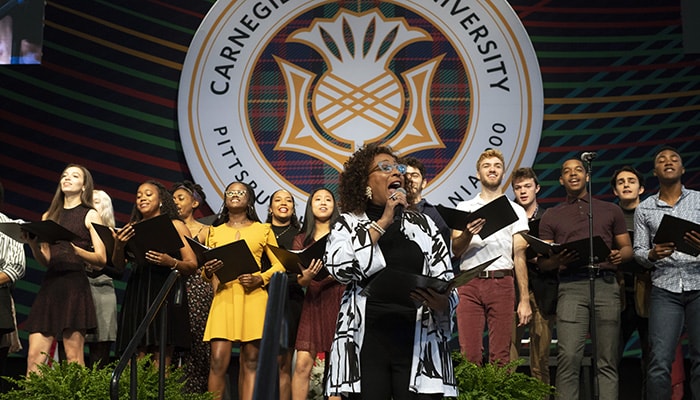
(205, 276)
(374, 225)
(175, 265)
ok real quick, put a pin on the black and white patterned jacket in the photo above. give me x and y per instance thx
(351, 258)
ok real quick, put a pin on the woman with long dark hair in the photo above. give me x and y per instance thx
(149, 275)
(64, 304)
(282, 217)
(322, 300)
(188, 197)
(238, 309)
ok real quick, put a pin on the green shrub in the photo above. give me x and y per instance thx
(495, 382)
(65, 380)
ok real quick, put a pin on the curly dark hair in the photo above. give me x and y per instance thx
(167, 205)
(194, 189)
(353, 179)
(250, 212)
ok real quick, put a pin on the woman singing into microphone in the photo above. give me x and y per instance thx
(384, 350)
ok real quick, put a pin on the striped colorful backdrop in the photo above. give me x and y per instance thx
(615, 76)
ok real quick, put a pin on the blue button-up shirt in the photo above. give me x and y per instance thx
(679, 272)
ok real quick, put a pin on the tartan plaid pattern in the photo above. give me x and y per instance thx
(267, 97)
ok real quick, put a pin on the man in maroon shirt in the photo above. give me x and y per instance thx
(566, 223)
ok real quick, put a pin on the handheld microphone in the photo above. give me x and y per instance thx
(398, 210)
(589, 156)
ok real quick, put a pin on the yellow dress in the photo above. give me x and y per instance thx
(236, 315)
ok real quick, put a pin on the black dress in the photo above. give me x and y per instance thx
(64, 300)
(387, 351)
(142, 288)
(295, 294)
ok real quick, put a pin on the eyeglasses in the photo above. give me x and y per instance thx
(387, 166)
(237, 193)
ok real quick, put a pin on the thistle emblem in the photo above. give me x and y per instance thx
(358, 99)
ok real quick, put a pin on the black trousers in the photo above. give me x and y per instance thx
(386, 355)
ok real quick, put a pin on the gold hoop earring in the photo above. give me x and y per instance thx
(368, 193)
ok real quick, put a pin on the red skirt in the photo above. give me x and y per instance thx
(319, 315)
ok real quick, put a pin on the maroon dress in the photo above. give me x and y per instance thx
(319, 312)
(64, 300)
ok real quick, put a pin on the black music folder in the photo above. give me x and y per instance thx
(534, 226)
(105, 234)
(601, 251)
(540, 246)
(157, 234)
(46, 231)
(672, 229)
(497, 213)
(395, 286)
(198, 249)
(292, 258)
(236, 256)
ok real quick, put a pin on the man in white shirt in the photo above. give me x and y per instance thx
(490, 298)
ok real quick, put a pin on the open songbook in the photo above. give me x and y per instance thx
(672, 229)
(601, 251)
(394, 286)
(46, 231)
(534, 226)
(236, 256)
(497, 213)
(157, 234)
(292, 258)
(105, 234)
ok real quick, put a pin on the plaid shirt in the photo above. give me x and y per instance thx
(680, 272)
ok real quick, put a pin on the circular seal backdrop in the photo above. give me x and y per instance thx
(279, 93)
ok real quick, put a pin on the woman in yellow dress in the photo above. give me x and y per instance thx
(238, 310)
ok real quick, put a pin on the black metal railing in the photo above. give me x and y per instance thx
(267, 373)
(129, 355)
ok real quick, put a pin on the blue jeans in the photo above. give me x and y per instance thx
(668, 313)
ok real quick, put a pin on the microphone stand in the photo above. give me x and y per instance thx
(8, 7)
(593, 270)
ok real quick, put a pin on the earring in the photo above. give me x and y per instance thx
(161, 204)
(368, 193)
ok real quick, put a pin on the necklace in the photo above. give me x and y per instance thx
(234, 223)
(277, 235)
(534, 215)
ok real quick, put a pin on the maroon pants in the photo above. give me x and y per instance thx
(489, 301)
